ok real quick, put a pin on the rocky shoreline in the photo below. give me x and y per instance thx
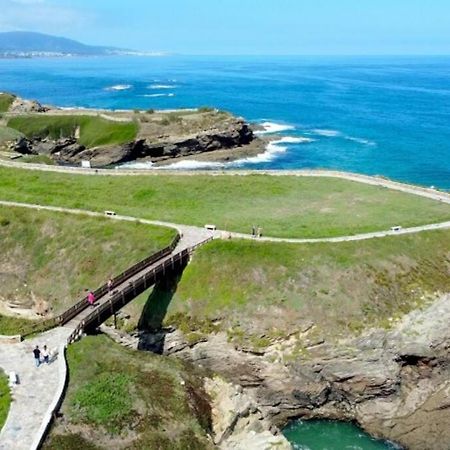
(163, 136)
(394, 383)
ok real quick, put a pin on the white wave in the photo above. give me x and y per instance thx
(294, 140)
(361, 141)
(171, 94)
(192, 164)
(272, 127)
(162, 86)
(119, 87)
(273, 150)
(136, 165)
(327, 133)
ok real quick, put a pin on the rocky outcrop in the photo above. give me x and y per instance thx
(236, 133)
(22, 106)
(394, 383)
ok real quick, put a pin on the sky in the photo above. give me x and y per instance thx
(242, 27)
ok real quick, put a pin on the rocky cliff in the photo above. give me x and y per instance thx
(395, 383)
(231, 134)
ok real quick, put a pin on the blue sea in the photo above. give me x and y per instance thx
(381, 115)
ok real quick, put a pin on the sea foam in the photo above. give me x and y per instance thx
(119, 87)
(273, 127)
(162, 86)
(171, 94)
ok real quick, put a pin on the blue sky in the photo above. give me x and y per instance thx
(271, 27)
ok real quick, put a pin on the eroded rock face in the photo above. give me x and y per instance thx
(396, 383)
(237, 133)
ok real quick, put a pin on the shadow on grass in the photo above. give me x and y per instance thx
(155, 311)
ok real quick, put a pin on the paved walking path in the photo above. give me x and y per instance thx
(374, 180)
(35, 397)
(38, 388)
(193, 234)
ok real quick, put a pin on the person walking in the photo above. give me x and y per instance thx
(45, 354)
(110, 284)
(37, 356)
(91, 298)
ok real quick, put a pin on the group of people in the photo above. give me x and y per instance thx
(38, 353)
(256, 231)
(91, 296)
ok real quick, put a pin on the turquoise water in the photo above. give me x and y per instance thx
(330, 435)
(386, 116)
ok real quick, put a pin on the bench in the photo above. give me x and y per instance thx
(396, 228)
(210, 227)
(13, 379)
(110, 213)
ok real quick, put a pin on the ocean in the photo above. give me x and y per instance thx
(385, 116)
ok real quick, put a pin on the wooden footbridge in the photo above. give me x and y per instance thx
(125, 287)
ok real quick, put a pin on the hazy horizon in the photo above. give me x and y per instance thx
(247, 28)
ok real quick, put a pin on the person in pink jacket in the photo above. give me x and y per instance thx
(91, 298)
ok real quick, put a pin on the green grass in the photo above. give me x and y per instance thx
(5, 101)
(8, 134)
(268, 289)
(138, 400)
(285, 206)
(94, 131)
(51, 258)
(5, 398)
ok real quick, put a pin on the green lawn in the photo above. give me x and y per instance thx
(94, 131)
(135, 399)
(5, 398)
(5, 101)
(49, 259)
(275, 288)
(285, 206)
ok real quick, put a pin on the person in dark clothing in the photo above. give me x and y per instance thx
(37, 356)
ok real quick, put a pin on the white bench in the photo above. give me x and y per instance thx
(110, 213)
(210, 227)
(13, 379)
(396, 228)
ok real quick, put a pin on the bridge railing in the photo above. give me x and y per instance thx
(130, 291)
(119, 279)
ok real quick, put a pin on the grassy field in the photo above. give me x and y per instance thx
(283, 206)
(119, 398)
(49, 259)
(273, 289)
(5, 398)
(94, 131)
(5, 102)
(8, 134)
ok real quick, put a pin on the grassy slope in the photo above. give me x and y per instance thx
(118, 398)
(5, 102)
(94, 131)
(53, 257)
(5, 398)
(282, 206)
(341, 287)
(8, 134)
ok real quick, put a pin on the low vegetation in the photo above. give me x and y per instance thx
(94, 131)
(50, 259)
(5, 398)
(264, 290)
(5, 101)
(127, 399)
(285, 206)
(8, 135)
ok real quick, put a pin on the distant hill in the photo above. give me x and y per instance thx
(29, 44)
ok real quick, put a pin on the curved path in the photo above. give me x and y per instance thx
(40, 389)
(197, 234)
(366, 179)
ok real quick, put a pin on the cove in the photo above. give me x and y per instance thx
(332, 435)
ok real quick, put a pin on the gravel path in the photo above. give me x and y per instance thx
(194, 234)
